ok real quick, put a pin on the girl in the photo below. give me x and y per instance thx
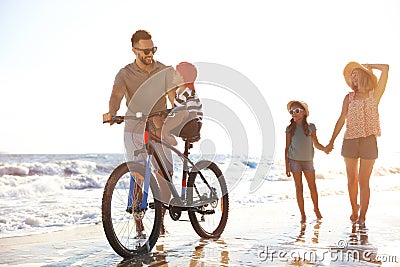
(301, 137)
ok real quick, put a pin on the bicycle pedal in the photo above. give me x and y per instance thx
(151, 205)
(208, 212)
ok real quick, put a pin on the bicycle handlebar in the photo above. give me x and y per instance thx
(137, 116)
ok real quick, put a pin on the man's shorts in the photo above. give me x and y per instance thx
(363, 147)
(133, 140)
(301, 166)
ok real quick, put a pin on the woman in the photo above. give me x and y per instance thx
(359, 149)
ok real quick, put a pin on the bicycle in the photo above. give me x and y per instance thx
(132, 207)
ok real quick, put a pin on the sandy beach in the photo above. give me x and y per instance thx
(255, 236)
(66, 63)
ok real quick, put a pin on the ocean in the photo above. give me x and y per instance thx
(42, 193)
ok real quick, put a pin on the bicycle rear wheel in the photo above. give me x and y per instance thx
(208, 200)
(130, 233)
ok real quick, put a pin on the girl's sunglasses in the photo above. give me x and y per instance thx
(148, 50)
(296, 110)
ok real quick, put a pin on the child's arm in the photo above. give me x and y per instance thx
(316, 142)
(288, 140)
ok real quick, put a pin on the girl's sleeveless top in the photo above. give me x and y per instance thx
(362, 117)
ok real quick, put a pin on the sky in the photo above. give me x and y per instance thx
(59, 58)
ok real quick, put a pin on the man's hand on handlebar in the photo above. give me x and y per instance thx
(158, 117)
(107, 118)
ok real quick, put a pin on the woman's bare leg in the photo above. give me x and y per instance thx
(366, 167)
(352, 185)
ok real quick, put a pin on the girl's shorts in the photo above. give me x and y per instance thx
(301, 166)
(363, 147)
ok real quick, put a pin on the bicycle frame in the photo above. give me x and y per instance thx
(151, 152)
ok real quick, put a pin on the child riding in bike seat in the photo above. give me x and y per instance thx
(186, 116)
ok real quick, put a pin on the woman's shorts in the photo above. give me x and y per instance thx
(363, 147)
(301, 166)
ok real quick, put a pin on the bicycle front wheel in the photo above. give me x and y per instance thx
(208, 200)
(129, 232)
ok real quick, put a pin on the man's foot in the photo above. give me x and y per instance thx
(140, 235)
(170, 139)
(318, 214)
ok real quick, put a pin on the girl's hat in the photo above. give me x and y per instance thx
(188, 72)
(348, 70)
(303, 104)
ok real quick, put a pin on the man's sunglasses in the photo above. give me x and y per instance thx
(147, 50)
(296, 110)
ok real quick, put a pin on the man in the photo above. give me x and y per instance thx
(132, 76)
(144, 84)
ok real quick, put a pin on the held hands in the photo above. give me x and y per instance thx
(328, 148)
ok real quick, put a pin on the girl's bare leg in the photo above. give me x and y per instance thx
(299, 194)
(310, 177)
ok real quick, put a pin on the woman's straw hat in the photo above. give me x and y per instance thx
(348, 70)
(303, 104)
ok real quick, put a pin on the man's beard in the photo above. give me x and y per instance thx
(146, 60)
